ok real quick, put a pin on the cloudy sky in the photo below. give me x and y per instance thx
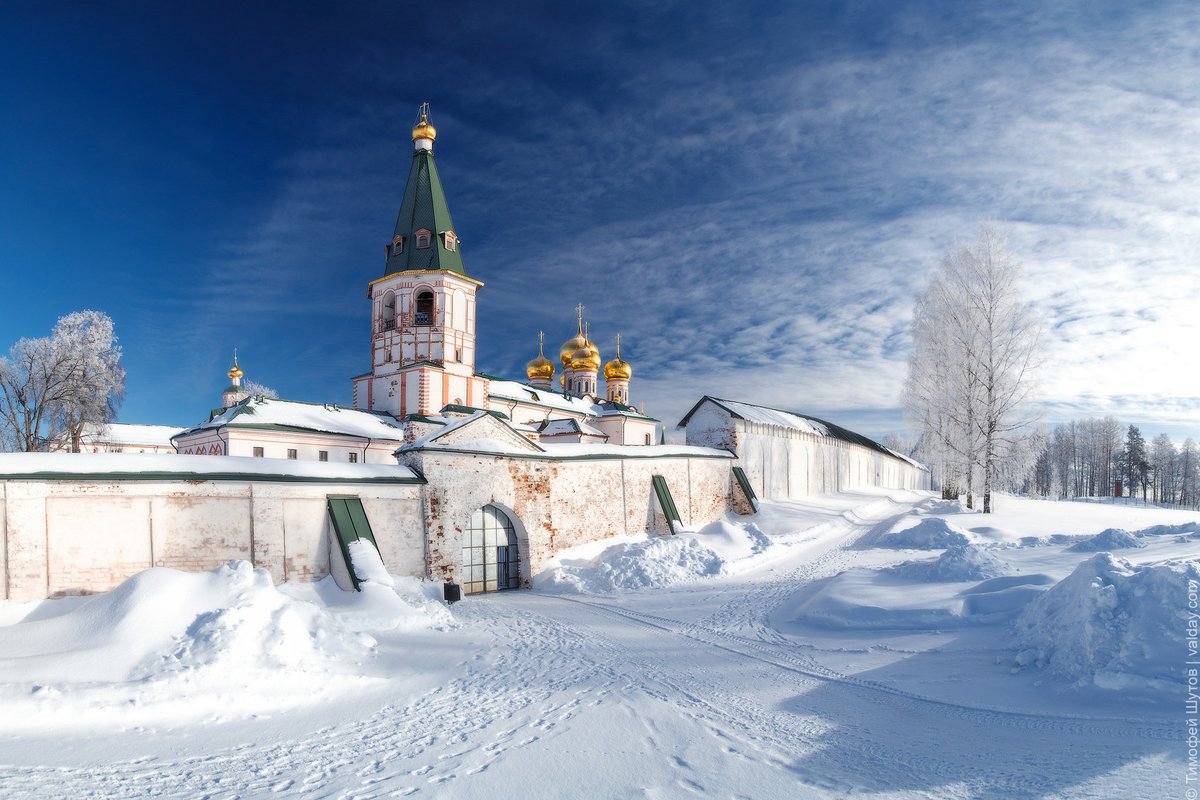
(752, 194)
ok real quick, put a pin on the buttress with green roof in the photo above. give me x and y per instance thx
(423, 208)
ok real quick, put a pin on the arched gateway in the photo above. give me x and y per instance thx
(491, 561)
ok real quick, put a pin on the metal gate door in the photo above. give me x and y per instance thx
(491, 561)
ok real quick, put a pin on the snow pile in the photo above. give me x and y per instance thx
(163, 621)
(933, 533)
(1112, 624)
(368, 566)
(1110, 539)
(719, 548)
(1187, 528)
(660, 561)
(960, 562)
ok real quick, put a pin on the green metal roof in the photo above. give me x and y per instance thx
(424, 207)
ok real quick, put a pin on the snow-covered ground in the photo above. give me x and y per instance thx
(868, 644)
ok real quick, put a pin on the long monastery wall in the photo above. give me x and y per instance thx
(77, 536)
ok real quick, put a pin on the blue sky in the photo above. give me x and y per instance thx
(752, 194)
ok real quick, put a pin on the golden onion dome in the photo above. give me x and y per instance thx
(570, 347)
(617, 369)
(586, 358)
(540, 368)
(235, 373)
(423, 130)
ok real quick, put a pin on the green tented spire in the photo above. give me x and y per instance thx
(424, 213)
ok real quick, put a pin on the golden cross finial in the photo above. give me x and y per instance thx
(579, 316)
(618, 347)
(541, 341)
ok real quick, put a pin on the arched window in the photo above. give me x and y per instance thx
(647, 438)
(451, 241)
(422, 236)
(490, 558)
(389, 311)
(397, 245)
(424, 309)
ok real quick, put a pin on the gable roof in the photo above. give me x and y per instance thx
(291, 415)
(481, 432)
(766, 415)
(561, 427)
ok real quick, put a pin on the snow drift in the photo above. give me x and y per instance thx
(960, 562)
(1110, 539)
(164, 621)
(932, 533)
(716, 549)
(1112, 624)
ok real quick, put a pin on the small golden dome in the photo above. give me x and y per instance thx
(540, 368)
(617, 369)
(235, 373)
(423, 130)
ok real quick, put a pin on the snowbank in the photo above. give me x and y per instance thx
(932, 533)
(1111, 624)
(1110, 539)
(162, 621)
(660, 561)
(960, 562)
(172, 646)
(719, 548)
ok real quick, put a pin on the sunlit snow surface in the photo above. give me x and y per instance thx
(875, 645)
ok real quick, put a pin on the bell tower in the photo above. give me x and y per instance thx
(423, 307)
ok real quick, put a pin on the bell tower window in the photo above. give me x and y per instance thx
(451, 241)
(424, 315)
(389, 312)
(423, 238)
(397, 245)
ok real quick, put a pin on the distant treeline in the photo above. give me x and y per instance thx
(1101, 456)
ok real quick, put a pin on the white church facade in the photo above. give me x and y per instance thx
(450, 473)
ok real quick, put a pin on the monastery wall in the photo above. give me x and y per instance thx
(783, 463)
(77, 536)
(558, 503)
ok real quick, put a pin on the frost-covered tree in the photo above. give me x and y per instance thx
(255, 389)
(976, 343)
(61, 382)
(96, 385)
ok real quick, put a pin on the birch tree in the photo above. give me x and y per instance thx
(976, 344)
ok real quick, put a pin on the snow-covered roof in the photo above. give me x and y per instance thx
(503, 440)
(260, 412)
(514, 390)
(560, 427)
(169, 466)
(764, 415)
(125, 433)
(453, 437)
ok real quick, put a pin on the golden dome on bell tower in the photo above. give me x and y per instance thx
(423, 129)
(540, 368)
